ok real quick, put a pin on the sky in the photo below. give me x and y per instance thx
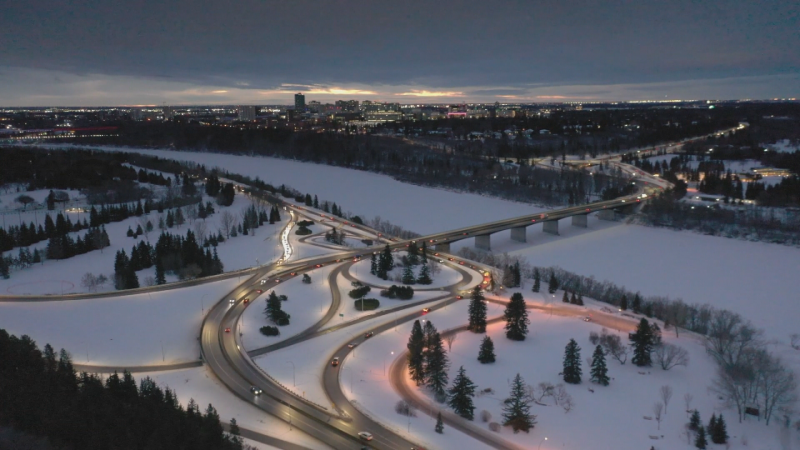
(109, 52)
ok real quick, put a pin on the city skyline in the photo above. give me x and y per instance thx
(102, 54)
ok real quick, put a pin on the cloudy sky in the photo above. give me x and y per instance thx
(136, 52)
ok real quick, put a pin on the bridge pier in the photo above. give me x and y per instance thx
(519, 234)
(580, 221)
(443, 247)
(606, 214)
(483, 242)
(551, 226)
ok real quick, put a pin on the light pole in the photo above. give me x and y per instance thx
(384, 364)
(540, 443)
(203, 305)
(293, 383)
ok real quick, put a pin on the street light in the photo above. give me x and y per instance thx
(293, 384)
(384, 364)
(540, 443)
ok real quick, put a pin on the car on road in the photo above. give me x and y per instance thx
(227, 330)
(255, 390)
(587, 319)
(368, 335)
(318, 266)
(335, 361)
(352, 345)
(247, 300)
(263, 281)
(450, 259)
(426, 310)
(259, 291)
(459, 297)
(293, 273)
(364, 435)
(232, 301)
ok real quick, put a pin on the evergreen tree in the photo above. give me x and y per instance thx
(416, 359)
(424, 253)
(316, 202)
(486, 353)
(712, 425)
(553, 284)
(694, 420)
(537, 280)
(599, 372)
(436, 364)
(413, 253)
(700, 441)
(516, 411)
(408, 275)
(642, 344)
(160, 277)
(477, 311)
(461, 394)
(623, 303)
(565, 298)
(373, 265)
(719, 434)
(516, 316)
(439, 424)
(424, 274)
(572, 363)
(573, 300)
(636, 305)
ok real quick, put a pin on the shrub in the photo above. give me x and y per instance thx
(359, 292)
(401, 292)
(305, 223)
(302, 231)
(494, 426)
(269, 331)
(405, 409)
(486, 416)
(367, 304)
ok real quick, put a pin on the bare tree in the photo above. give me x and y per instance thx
(730, 337)
(657, 409)
(200, 231)
(678, 314)
(613, 345)
(191, 213)
(89, 281)
(228, 221)
(545, 389)
(777, 386)
(450, 339)
(24, 200)
(795, 341)
(687, 401)
(666, 394)
(143, 219)
(486, 416)
(669, 355)
(737, 383)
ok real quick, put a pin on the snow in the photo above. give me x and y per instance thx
(446, 277)
(783, 146)
(420, 209)
(64, 276)
(120, 331)
(201, 385)
(8, 204)
(615, 412)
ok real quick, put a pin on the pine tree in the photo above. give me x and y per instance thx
(553, 284)
(416, 359)
(235, 431)
(477, 311)
(424, 253)
(565, 298)
(623, 303)
(694, 420)
(599, 372)
(439, 424)
(486, 353)
(516, 316)
(373, 265)
(642, 344)
(712, 425)
(424, 274)
(413, 253)
(408, 275)
(572, 363)
(700, 441)
(537, 280)
(516, 411)
(719, 433)
(160, 277)
(573, 300)
(436, 364)
(461, 395)
(636, 305)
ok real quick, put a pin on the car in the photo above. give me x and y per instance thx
(368, 335)
(459, 297)
(465, 233)
(352, 345)
(587, 319)
(263, 281)
(461, 262)
(247, 300)
(435, 254)
(335, 361)
(277, 280)
(293, 273)
(259, 291)
(426, 310)
(364, 435)
(451, 259)
(227, 330)
(318, 266)
(232, 301)
(255, 390)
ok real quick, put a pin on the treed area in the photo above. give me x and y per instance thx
(41, 395)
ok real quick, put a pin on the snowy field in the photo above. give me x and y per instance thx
(783, 146)
(120, 331)
(416, 208)
(64, 276)
(616, 412)
(201, 385)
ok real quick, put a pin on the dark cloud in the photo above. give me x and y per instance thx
(475, 47)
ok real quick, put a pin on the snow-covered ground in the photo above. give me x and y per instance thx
(120, 331)
(64, 276)
(783, 146)
(446, 276)
(9, 205)
(201, 385)
(617, 412)
(420, 209)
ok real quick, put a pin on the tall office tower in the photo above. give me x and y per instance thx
(247, 113)
(299, 102)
